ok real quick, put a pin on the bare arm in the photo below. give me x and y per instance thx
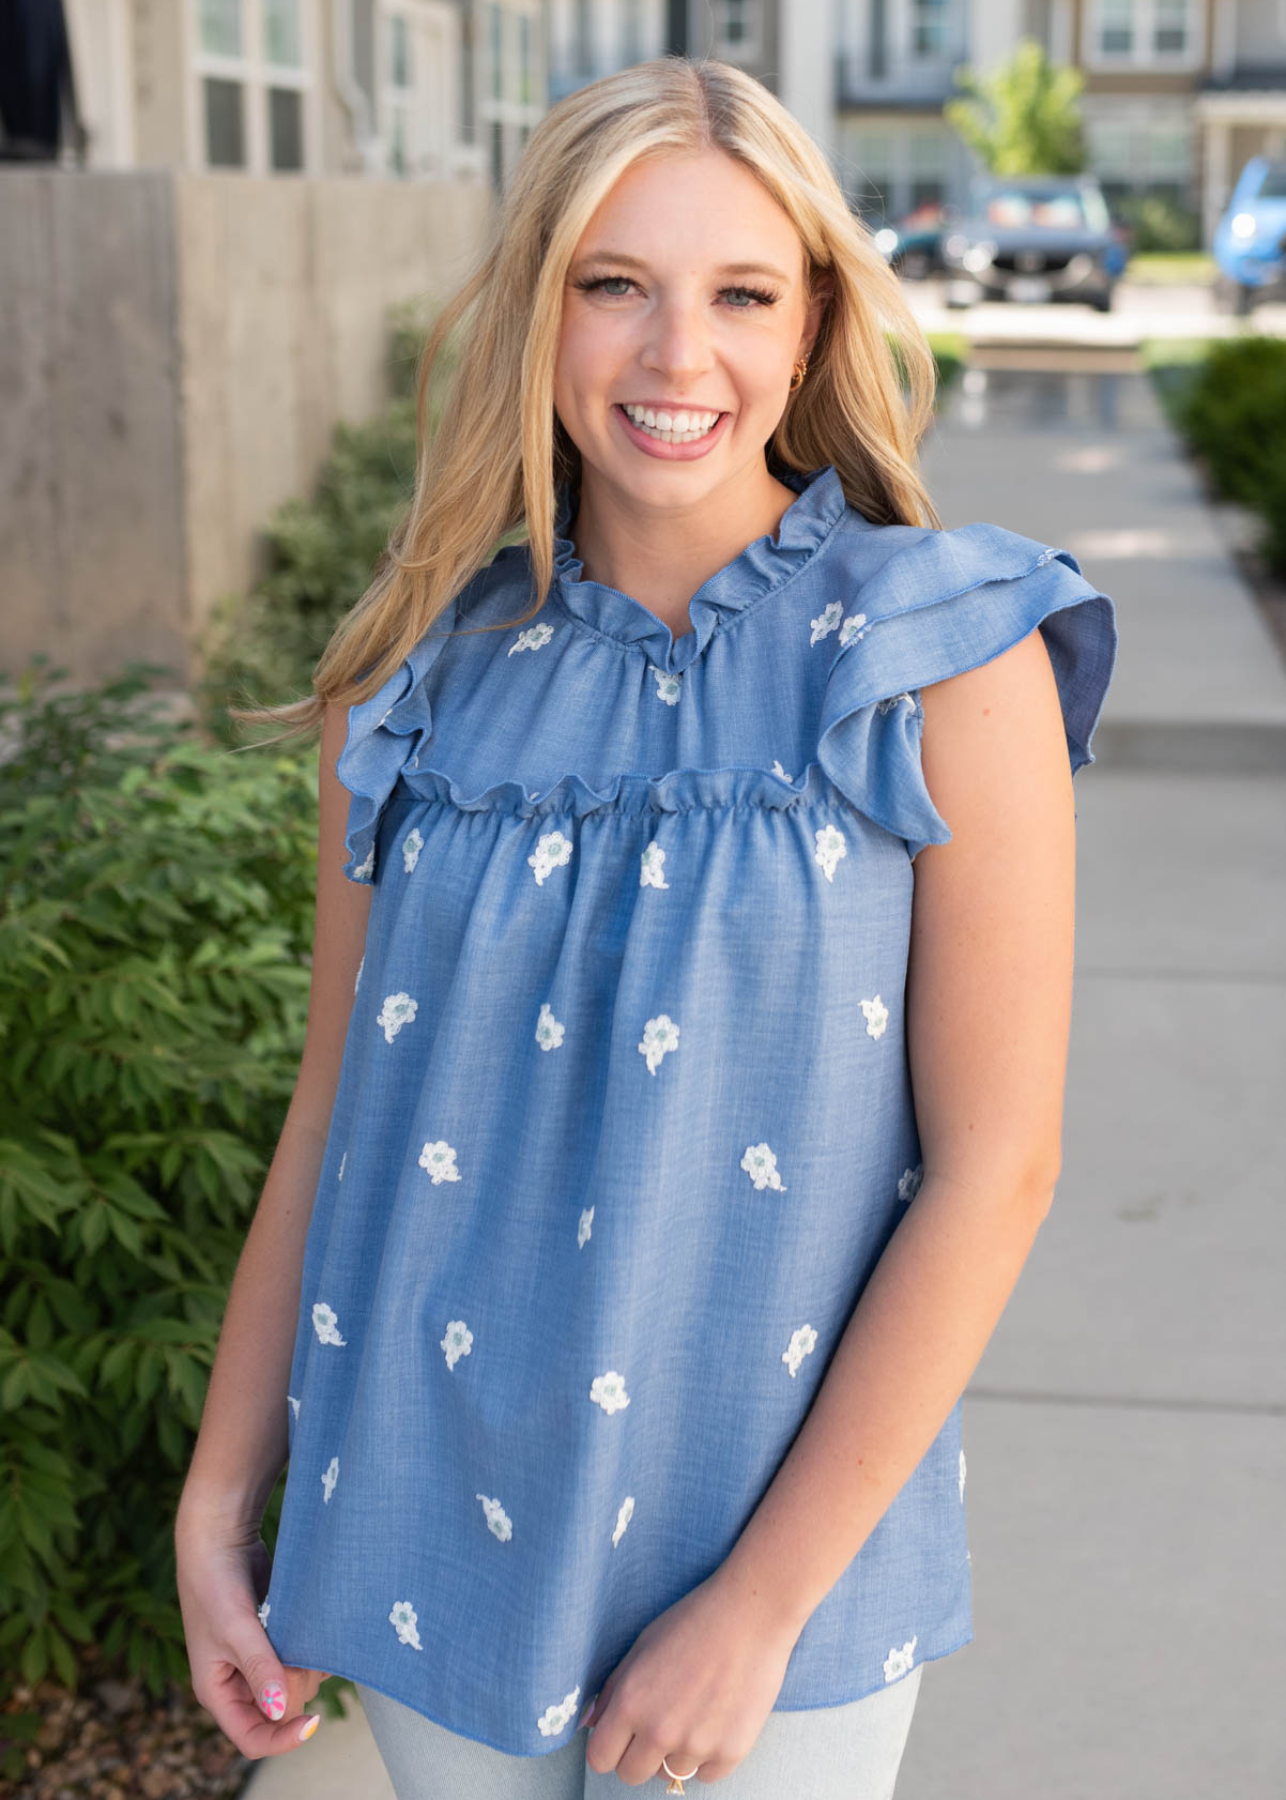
(242, 1444)
(988, 1016)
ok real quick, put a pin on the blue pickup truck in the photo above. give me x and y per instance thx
(1250, 239)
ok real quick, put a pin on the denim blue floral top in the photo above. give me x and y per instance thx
(625, 1120)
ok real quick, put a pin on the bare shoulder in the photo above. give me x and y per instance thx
(994, 749)
(339, 929)
(990, 974)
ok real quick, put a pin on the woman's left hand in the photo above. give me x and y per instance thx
(695, 1687)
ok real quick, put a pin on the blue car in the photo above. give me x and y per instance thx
(1250, 239)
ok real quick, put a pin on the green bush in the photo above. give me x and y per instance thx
(156, 896)
(1159, 223)
(1233, 413)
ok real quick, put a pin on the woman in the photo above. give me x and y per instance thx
(682, 1093)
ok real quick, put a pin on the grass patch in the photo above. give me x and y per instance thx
(1171, 268)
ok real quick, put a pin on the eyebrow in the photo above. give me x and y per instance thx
(636, 262)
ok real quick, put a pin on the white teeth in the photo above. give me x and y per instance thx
(672, 428)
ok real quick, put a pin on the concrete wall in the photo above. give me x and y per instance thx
(175, 350)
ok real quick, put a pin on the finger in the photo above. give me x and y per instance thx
(239, 1715)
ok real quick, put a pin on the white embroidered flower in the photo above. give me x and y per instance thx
(778, 770)
(343, 1159)
(668, 686)
(877, 1016)
(898, 1662)
(264, 1610)
(651, 867)
(582, 1230)
(831, 846)
(549, 1033)
(366, 868)
(534, 638)
(608, 1391)
(623, 1518)
(553, 851)
(1046, 556)
(294, 1404)
(397, 1010)
(439, 1160)
(760, 1163)
(383, 718)
(909, 1183)
(326, 1324)
(659, 1035)
(826, 622)
(412, 845)
(498, 1521)
(802, 1341)
(851, 630)
(403, 1619)
(556, 1718)
(329, 1479)
(458, 1342)
(962, 1474)
(886, 706)
(361, 965)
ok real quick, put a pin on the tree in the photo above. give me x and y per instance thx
(1025, 117)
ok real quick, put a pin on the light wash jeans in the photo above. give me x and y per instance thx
(850, 1752)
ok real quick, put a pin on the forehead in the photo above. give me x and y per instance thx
(703, 207)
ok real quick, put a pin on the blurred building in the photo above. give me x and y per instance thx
(1178, 93)
(422, 89)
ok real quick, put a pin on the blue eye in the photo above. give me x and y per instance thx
(759, 296)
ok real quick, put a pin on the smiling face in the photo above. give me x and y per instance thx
(685, 296)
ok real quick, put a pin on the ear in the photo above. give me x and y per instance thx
(823, 292)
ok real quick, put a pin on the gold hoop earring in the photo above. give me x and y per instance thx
(801, 369)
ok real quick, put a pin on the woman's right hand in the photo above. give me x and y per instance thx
(255, 1698)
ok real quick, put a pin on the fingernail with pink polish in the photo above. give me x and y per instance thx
(272, 1699)
(309, 1726)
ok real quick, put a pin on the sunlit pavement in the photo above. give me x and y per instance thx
(1139, 311)
(1125, 1431)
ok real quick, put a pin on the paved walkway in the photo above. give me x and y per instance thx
(1126, 1429)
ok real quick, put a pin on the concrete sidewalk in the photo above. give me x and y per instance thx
(1126, 1429)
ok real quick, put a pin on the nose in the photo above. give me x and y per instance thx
(678, 344)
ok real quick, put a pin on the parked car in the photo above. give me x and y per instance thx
(1250, 239)
(1033, 238)
(913, 246)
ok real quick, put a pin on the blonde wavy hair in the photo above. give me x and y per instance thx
(864, 405)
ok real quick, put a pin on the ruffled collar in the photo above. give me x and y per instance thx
(762, 566)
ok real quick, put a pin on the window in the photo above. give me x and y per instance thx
(929, 20)
(221, 27)
(399, 95)
(495, 50)
(928, 169)
(1145, 33)
(225, 136)
(399, 48)
(281, 39)
(1170, 27)
(253, 79)
(524, 58)
(631, 32)
(1116, 28)
(736, 29)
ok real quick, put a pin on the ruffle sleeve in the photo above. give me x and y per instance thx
(384, 734)
(947, 603)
